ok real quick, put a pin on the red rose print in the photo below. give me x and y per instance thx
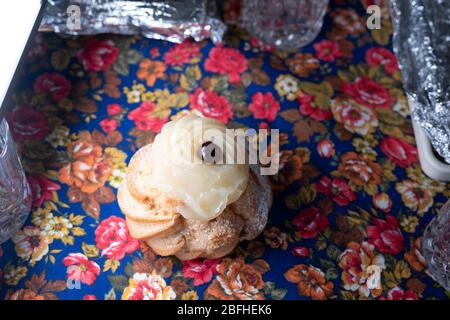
(211, 105)
(338, 189)
(25, 123)
(80, 268)
(263, 125)
(227, 61)
(191, 47)
(54, 84)
(176, 56)
(143, 110)
(369, 93)
(327, 50)
(382, 201)
(181, 53)
(385, 235)
(109, 125)
(398, 151)
(41, 189)
(309, 222)
(383, 57)
(143, 120)
(325, 148)
(300, 252)
(202, 270)
(114, 109)
(264, 106)
(308, 107)
(113, 238)
(98, 55)
(154, 52)
(154, 124)
(399, 294)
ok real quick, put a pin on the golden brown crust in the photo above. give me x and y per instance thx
(207, 237)
(168, 242)
(153, 217)
(137, 171)
(254, 204)
(143, 230)
(144, 211)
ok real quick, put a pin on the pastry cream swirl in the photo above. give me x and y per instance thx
(177, 169)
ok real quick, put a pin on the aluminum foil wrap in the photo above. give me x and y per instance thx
(421, 43)
(172, 20)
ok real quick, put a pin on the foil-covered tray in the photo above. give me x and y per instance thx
(172, 20)
(421, 43)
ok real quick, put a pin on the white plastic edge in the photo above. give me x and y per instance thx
(431, 166)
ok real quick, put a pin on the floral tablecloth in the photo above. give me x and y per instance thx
(350, 197)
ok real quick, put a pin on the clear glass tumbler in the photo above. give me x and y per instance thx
(15, 194)
(436, 247)
(286, 24)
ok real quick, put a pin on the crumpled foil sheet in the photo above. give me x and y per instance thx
(421, 43)
(172, 20)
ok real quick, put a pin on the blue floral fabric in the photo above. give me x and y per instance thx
(350, 200)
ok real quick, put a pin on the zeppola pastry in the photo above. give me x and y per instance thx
(182, 201)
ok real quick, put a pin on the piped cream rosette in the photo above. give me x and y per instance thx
(178, 170)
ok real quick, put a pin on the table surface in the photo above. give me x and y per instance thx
(350, 197)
